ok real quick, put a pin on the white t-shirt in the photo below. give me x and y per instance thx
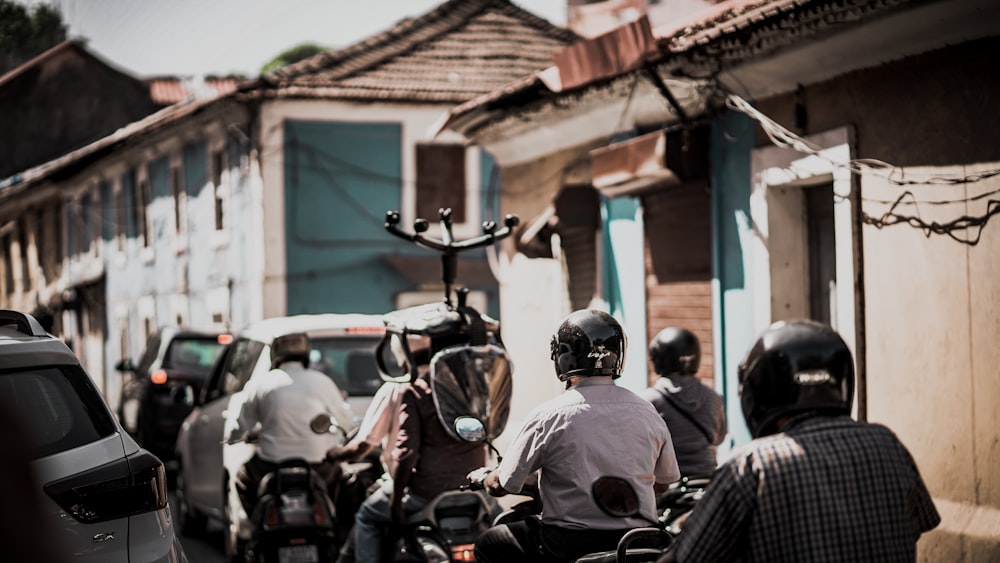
(283, 401)
(595, 429)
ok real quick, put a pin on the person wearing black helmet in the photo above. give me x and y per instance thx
(594, 429)
(278, 409)
(694, 413)
(814, 484)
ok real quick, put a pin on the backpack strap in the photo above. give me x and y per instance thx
(677, 407)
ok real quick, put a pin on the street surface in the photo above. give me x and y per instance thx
(202, 549)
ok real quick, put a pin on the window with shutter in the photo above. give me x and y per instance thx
(441, 180)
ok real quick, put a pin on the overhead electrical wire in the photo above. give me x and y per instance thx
(895, 175)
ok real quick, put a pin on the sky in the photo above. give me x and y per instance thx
(192, 37)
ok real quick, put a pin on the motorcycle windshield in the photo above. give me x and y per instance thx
(472, 381)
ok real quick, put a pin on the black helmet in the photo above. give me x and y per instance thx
(293, 347)
(795, 366)
(675, 350)
(588, 342)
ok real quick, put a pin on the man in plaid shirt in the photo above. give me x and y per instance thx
(814, 485)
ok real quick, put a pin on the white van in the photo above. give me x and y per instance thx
(343, 348)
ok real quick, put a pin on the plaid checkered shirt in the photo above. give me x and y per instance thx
(825, 489)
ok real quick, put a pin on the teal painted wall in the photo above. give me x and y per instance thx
(732, 141)
(625, 283)
(340, 179)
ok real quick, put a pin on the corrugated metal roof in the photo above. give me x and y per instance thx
(459, 50)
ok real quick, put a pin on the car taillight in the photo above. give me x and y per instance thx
(158, 377)
(132, 485)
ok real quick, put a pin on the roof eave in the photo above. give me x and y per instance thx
(772, 65)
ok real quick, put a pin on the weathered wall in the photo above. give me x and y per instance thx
(930, 318)
(678, 225)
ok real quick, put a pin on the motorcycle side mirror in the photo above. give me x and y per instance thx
(321, 423)
(615, 496)
(470, 429)
(392, 358)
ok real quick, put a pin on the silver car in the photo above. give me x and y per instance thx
(343, 348)
(102, 498)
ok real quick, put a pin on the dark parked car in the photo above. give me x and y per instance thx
(159, 392)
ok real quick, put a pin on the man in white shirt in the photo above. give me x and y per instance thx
(594, 430)
(278, 409)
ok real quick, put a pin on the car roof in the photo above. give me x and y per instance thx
(266, 330)
(26, 344)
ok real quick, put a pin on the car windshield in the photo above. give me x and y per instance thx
(350, 361)
(197, 355)
(58, 405)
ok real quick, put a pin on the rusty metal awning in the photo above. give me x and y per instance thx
(633, 167)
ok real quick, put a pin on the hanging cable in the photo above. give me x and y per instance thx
(784, 138)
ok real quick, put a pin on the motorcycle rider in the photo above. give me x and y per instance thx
(594, 429)
(426, 459)
(378, 429)
(278, 408)
(694, 413)
(380, 425)
(813, 483)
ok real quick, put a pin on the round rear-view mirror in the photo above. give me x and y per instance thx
(320, 424)
(470, 429)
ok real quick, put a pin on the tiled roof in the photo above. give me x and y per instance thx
(172, 89)
(736, 30)
(723, 34)
(459, 50)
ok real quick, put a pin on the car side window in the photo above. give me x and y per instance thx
(241, 363)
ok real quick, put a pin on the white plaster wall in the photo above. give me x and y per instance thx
(932, 332)
(777, 254)
(532, 304)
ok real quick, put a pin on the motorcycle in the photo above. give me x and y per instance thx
(676, 504)
(616, 497)
(294, 519)
(444, 531)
